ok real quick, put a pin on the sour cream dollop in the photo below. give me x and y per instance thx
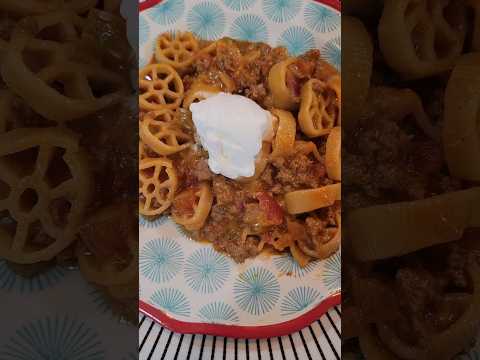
(231, 128)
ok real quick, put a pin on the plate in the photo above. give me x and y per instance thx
(188, 286)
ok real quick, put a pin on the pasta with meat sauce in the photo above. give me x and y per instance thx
(292, 201)
(411, 155)
(67, 153)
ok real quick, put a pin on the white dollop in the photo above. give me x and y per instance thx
(231, 128)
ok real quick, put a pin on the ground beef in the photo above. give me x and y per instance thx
(299, 171)
(200, 170)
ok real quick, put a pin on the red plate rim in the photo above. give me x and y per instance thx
(236, 331)
(147, 4)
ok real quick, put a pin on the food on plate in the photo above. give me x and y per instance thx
(67, 153)
(411, 190)
(240, 144)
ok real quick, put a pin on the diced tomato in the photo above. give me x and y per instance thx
(271, 208)
(184, 204)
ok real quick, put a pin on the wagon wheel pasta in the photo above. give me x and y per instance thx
(333, 154)
(319, 108)
(157, 185)
(177, 50)
(162, 134)
(44, 208)
(61, 90)
(282, 95)
(285, 136)
(160, 87)
(409, 183)
(461, 134)
(249, 214)
(64, 122)
(417, 39)
(192, 207)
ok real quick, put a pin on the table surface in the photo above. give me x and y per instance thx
(320, 340)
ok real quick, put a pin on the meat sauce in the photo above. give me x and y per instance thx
(247, 215)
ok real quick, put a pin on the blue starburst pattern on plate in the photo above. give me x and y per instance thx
(12, 282)
(331, 276)
(238, 5)
(151, 224)
(207, 20)
(331, 52)
(281, 10)
(206, 270)
(181, 229)
(256, 290)
(172, 301)
(286, 264)
(298, 300)
(54, 338)
(249, 27)
(144, 30)
(218, 312)
(160, 259)
(297, 40)
(100, 301)
(168, 11)
(320, 18)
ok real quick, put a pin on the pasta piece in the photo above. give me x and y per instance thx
(301, 201)
(157, 185)
(102, 235)
(160, 88)
(178, 50)
(397, 229)
(319, 108)
(161, 134)
(333, 154)
(420, 38)
(335, 83)
(192, 206)
(284, 140)
(461, 130)
(357, 50)
(198, 92)
(282, 96)
(57, 88)
(310, 247)
(307, 148)
(47, 207)
(442, 345)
